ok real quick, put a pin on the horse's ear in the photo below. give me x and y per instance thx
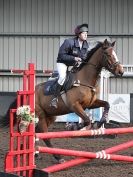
(105, 43)
(113, 43)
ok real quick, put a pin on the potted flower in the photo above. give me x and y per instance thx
(24, 116)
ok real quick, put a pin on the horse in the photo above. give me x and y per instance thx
(84, 95)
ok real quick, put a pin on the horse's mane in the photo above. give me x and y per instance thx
(90, 53)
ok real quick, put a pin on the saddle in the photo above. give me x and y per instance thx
(50, 85)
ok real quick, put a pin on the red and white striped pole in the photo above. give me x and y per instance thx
(81, 160)
(66, 134)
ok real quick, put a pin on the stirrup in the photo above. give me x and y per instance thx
(54, 102)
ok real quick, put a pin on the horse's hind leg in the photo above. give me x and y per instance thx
(43, 127)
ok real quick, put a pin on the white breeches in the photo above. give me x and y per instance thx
(62, 68)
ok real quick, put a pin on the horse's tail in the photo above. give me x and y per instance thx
(5, 120)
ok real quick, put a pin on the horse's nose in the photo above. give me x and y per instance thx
(121, 71)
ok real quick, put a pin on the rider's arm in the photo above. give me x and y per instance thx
(65, 53)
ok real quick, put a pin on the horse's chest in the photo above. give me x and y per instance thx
(88, 98)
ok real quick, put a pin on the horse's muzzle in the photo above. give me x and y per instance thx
(120, 74)
(119, 70)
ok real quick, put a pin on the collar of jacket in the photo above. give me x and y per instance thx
(85, 43)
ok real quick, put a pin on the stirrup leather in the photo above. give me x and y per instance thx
(54, 102)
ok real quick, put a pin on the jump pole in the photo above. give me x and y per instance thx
(32, 166)
(81, 160)
(67, 134)
(92, 155)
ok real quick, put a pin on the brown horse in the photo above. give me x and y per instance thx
(77, 99)
(80, 97)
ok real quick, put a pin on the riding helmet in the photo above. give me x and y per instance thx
(81, 28)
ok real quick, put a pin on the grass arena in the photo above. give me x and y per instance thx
(87, 165)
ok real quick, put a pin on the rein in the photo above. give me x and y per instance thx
(106, 57)
(87, 63)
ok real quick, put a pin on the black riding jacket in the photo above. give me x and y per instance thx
(70, 49)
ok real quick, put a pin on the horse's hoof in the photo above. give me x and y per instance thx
(99, 124)
(61, 161)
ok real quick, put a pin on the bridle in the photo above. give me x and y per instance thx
(105, 58)
(107, 64)
(105, 61)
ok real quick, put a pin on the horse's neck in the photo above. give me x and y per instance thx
(89, 74)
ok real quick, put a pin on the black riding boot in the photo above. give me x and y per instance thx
(56, 94)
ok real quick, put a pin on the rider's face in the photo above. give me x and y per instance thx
(83, 36)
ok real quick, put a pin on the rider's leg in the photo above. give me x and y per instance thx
(62, 68)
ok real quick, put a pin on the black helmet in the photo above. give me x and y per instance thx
(81, 28)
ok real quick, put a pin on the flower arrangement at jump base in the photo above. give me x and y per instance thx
(25, 117)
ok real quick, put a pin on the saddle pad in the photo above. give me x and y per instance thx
(49, 87)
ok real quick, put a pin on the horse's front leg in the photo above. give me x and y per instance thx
(78, 109)
(100, 103)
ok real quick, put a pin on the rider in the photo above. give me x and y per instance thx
(72, 51)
